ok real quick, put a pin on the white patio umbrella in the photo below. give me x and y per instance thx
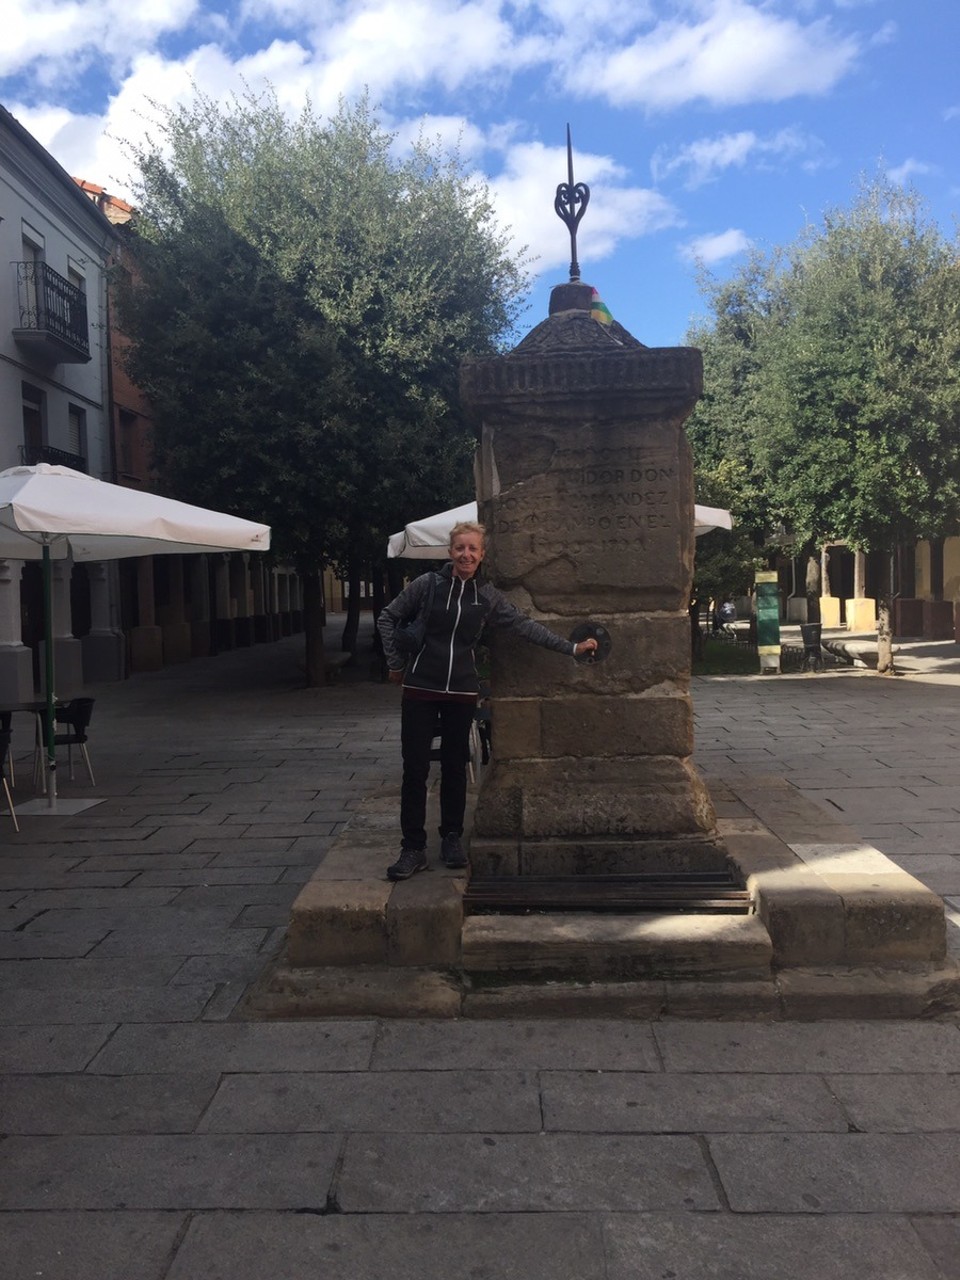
(427, 539)
(48, 512)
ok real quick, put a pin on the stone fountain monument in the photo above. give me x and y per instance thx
(591, 800)
(585, 485)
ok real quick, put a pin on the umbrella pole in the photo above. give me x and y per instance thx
(48, 665)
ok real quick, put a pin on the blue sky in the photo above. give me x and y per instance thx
(702, 126)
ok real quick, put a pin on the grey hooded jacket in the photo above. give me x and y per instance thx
(461, 610)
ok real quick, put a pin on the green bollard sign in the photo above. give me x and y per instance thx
(768, 621)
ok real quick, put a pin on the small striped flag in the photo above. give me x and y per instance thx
(599, 310)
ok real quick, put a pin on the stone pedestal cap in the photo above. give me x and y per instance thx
(572, 354)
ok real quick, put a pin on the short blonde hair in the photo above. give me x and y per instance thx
(467, 526)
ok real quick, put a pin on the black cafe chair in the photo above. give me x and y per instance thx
(6, 727)
(75, 715)
(4, 749)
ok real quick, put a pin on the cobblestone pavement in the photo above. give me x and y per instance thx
(149, 1134)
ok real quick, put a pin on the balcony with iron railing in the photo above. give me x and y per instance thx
(31, 454)
(53, 315)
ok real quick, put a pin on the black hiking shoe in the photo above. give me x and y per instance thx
(409, 863)
(451, 852)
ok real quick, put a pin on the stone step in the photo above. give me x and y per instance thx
(611, 946)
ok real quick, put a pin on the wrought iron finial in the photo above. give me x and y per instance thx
(570, 205)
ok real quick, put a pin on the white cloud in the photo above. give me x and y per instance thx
(724, 51)
(886, 34)
(951, 113)
(58, 38)
(902, 173)
(96, 147)
(606, 16)
(416, 43)
(522, 175)
(709, 249)
(453, 133)
(735, 53)
(706, 159)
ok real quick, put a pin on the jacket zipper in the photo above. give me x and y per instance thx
(453, 633)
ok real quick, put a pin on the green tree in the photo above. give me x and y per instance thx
(832, 361)
(725, 559)
(301, 301)
(858, 412)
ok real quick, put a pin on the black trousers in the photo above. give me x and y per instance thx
(420, 720)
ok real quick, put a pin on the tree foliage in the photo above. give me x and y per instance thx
(301, 300)
(726, 559)
(830, 368)
(858, 406)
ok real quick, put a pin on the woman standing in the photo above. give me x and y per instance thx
(440, 686)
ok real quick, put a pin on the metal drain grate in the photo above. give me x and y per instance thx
(694, 891)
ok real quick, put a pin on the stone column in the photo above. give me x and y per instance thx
(199, 606)
(175, 627)
(223, 605)
(240, 590)
(16, 660)
(104, 648)
(861, 611)
(585, 486)
(146, 638)
(261, 623)
(829, 602)
(67, 650)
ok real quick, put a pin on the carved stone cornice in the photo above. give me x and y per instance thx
(544, 373)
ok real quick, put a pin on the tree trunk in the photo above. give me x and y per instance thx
(314, 661)
(885, 665)
(812, 586)
(351, 628)
(379, 592)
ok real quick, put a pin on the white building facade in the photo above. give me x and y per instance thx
(54, 398)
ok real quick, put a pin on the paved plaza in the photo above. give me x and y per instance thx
(149, 1132)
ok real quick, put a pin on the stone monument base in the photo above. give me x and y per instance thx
(597, 856)
(833, 929)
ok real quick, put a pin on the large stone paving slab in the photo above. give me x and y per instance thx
(817, 1046)
(89, 1246)
(727, 1247)
(580, 1044)
(900, 1103)
(183, 940)
(255, 1246)
(237, 1046)
(941, 1238)
(41, 946)
(631, 1102)
(182, 1171)
(115, 1004)
(75, 1104)
(86, 972)
(389, 1102)
(852, 1173)
(59, 1048)
(516, 1173)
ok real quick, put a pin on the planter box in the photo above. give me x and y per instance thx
(938, 620)
(908, 617)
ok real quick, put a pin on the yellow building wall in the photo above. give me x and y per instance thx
(951, 569)
(923, 570)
